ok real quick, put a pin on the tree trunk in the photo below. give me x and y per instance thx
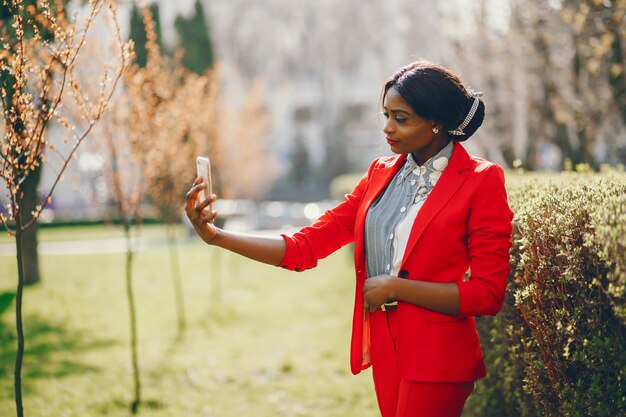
(585, 131)
(134, 406)
(30, 200)
(547, 113)
(617, 80)
(178, 288)
(18, 315)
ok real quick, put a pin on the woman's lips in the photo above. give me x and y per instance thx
(392, 141)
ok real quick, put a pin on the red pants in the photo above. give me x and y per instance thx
(402, 397)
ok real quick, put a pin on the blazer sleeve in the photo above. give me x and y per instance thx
(334, 229)
(489, 242)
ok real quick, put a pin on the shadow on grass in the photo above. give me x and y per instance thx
(117, 405)
(6, 301)
(52, 349)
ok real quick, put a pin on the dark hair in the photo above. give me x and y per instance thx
(437, 94)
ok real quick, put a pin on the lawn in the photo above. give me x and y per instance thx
(260, 341)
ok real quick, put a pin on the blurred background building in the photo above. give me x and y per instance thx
(321, 65)
(552, 73)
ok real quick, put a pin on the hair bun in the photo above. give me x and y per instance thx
(468, 126)
(436, 93)
(476, 121)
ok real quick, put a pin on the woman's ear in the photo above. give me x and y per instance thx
(436, 127)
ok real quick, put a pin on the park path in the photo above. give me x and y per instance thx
(112, 245)
(86, 247)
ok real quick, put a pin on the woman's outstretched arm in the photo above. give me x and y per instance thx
(269, 250)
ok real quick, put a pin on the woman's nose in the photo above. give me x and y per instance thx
(388, 126)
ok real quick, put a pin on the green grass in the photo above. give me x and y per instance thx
(262, 342)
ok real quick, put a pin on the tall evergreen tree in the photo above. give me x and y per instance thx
(138, 32)
(195, 39)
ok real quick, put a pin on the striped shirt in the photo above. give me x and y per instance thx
(391, 217)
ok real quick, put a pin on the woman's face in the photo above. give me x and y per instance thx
(406, 132)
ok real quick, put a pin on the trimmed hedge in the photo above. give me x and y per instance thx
(558, 348)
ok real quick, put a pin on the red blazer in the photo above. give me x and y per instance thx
(465, 223)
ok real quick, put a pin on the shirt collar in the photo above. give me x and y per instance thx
(438, 162)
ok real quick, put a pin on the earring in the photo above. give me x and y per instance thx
(435, 130)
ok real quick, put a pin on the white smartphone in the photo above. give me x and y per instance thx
(203, 166)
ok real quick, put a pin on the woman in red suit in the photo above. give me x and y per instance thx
(432, 230)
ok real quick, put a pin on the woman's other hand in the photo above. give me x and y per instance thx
(377, 291)
(200, 213)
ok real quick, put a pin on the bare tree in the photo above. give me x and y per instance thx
(148, 148)
(552, 72)
(597, 35)
(173, 112)
(41, 27)
(125, 161)
(38, 79)
(123, 172)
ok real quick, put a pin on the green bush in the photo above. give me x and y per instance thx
(558, 348)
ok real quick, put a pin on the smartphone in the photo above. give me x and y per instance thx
(203, 166)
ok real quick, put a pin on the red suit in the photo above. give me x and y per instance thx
(464, 224)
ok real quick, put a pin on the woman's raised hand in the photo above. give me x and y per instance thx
(200, 213)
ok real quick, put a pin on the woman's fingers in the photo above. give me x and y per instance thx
(374, 293)
(204, 203)
(209, 217)
(198, 209)
(200, 216)
(198, 185)
(192, 196)
(192, 205)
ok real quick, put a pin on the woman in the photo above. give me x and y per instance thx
(420, 220)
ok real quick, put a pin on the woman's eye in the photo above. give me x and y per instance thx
(396, 118)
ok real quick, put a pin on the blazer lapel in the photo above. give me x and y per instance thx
(449, 182)
(377, 183)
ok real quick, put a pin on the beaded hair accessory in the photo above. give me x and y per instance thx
(459, 130)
